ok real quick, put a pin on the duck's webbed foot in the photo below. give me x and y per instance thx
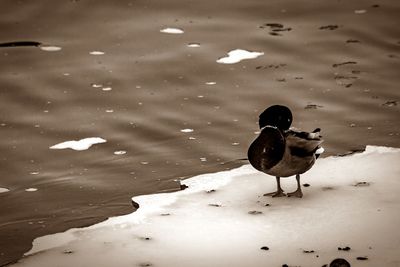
(296, 193)
(278, 193)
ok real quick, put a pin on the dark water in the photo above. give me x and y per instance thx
(334, 63)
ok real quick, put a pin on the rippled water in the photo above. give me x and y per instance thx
(118, 77)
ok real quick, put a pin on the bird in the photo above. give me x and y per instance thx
(282, 151)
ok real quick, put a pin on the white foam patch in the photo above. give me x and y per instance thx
(50, 48)
(172, 30)
(222, 219)
(4, 190)
(238, 55)
(96, 53)
(82, 144)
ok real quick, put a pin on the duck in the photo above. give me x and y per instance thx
(282, 151)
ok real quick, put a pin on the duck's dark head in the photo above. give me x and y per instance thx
(278, 116)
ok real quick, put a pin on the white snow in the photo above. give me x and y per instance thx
(82, 144)
(222, 219)
(172, 30)
(238, 55)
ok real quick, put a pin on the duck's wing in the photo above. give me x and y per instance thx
(267, 149)
(303, 143)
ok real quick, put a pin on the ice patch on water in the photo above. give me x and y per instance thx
(238, 55)
(172, 30)
(97, 53)
(32, 189)
(50, 48)
(82, 144)
(194, 45)
(187, 130)
(4, 190)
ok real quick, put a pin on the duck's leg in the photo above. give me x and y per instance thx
(298, 192)
(279, 191)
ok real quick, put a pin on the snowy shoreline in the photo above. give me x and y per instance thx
(223, 219)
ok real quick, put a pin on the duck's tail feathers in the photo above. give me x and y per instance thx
(319, 151)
